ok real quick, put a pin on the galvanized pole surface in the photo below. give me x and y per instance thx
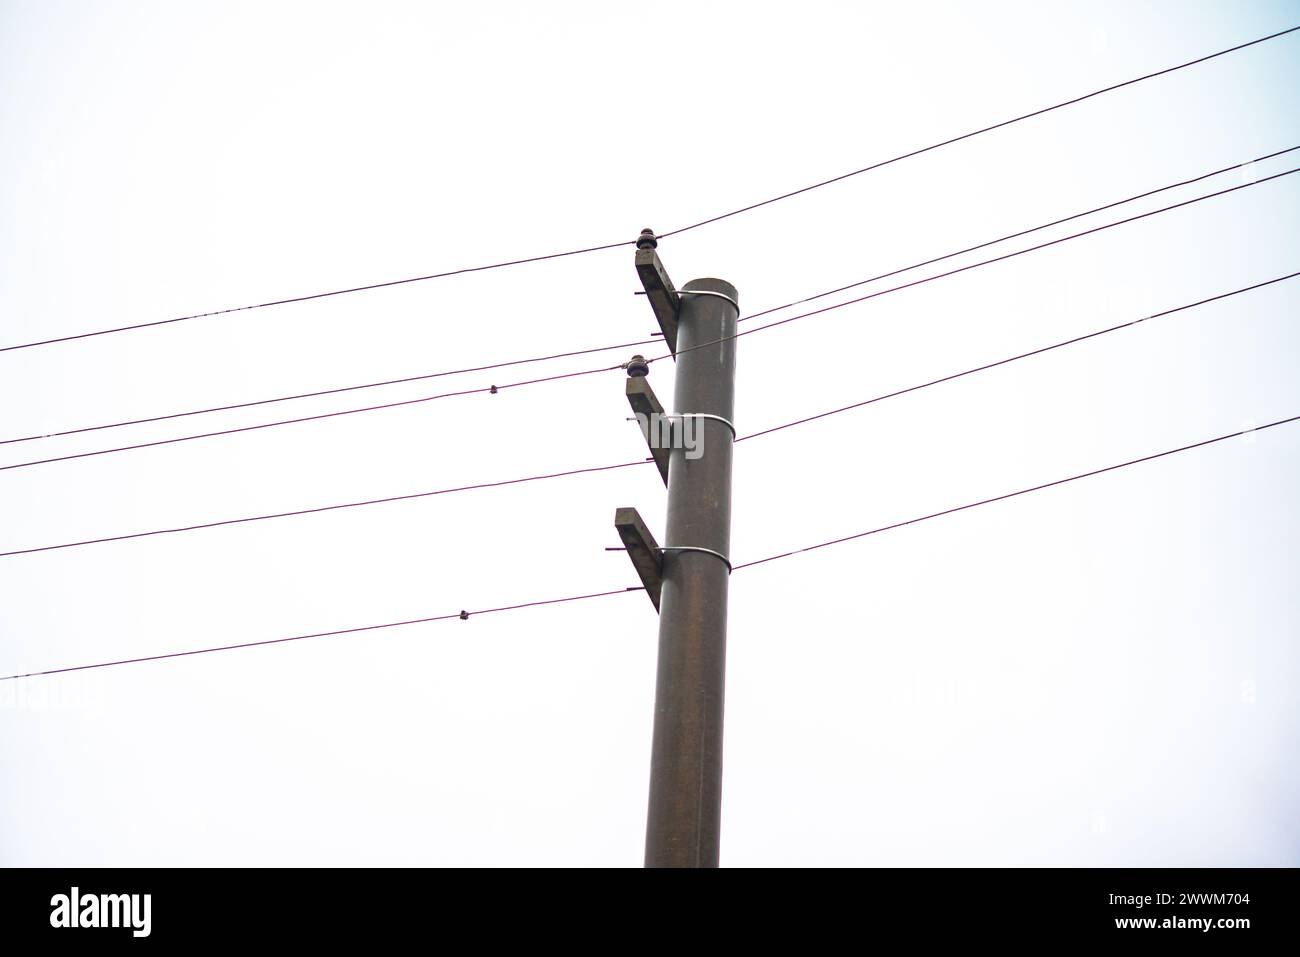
(686, 755)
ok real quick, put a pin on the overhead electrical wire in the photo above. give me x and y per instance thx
(333, 391)
(622, 465)
(465, 615)
(1018, 492)
(487, 389)
(1015, 358)
(978, 132)
(976, 265)
(568, 375)
(324, 508)
(674, 232)
(1025, 232)
(316, 295)
(642, 342)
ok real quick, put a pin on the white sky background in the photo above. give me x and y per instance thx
(1100, 674)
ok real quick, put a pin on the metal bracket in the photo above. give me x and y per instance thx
(706, 415)
(659, 289)
(644, 403)
(647, 557)
(709, 292)
(695, 548)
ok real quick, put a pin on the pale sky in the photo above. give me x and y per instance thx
(1104, 673)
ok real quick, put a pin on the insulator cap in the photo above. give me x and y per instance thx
(638, 368)
(647, 240)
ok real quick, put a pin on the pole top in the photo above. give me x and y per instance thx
(647, 239)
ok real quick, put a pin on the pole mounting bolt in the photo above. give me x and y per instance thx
(637, 367)
(647, 240)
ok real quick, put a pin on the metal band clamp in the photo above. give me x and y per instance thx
(693, 415)
(709, 292)
(695, 548)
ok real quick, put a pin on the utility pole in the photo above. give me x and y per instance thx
(687, 578)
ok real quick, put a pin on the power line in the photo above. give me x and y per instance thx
(983, 262)
(322, 508)
(974, 133)
(492, 390)
(463, 615)
(1024, 232)
(645, 342)
(1015, 358)
(317, 295)
(335, 391)
(675, 232)
(605, 468)
(1023, 491)
(769, 325)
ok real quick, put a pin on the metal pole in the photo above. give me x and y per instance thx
(682, 829)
